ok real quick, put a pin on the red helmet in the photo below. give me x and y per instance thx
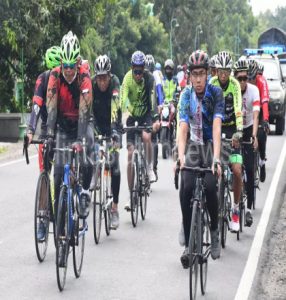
(198, 59)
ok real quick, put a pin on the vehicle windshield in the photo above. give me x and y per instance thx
(271, 70)
(283, 68)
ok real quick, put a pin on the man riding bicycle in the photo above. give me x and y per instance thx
(138, 89)
(39, 109)
(251, 108)
(232, 127)
(201, 110)
(259, 80)
(107, 121)
(69, 102)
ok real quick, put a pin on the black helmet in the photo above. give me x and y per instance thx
(252, 69)
(198, 59)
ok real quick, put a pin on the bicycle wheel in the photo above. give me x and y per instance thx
(193, 252)
(97, 204)
(226, 216)
(134, 195)
(42, 215)
(144, 192)
(205, 246)
(62, 246)
(107, 208)
(221, 192)
(256, 177)
(78, 239)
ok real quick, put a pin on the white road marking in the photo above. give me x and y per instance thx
(246, 280)
(17, 161)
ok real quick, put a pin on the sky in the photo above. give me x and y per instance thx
(259, 6)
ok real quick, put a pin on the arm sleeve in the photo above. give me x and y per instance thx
(124, 94)
(155, 113)
(238, 105)
(38, 100)
(219, 103)
(256, 99)
(85, 103)
(184, 107)
(264, 97)
(52, 100)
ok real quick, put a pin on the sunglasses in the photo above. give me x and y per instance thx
(137, 72)
(242, 78)
(71, 66)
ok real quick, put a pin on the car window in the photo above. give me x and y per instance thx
(271, 70)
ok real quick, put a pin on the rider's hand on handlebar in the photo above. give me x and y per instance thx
(30, 137)
(216, 168)
(266, 126)
(236, 138)
(77, 146)
(255, 142)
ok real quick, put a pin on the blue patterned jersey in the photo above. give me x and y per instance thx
(211, 106)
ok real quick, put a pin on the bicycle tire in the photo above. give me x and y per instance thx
(221, 198)
(107, 209)
(144, 192)
(42, 192)
(62, 245)
(79, 239)
(97, 204)
(134, 194)
(205, 246)
(193, 250)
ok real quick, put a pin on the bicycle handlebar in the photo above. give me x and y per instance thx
(26, 145)
(137, 128)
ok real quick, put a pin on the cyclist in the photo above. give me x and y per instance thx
(251, 108)
(39, 109)
(69, 102)
(107, 121)
(201, 110)
(149, 65)
(260, 81)
(213, 70)
(260, 68)
(138, 87)
(232, 126)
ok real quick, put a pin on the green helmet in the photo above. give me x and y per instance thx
(70, 49)
(53, 57)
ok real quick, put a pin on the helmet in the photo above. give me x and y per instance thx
(260, 68)
(102, 65)
(198, 59)
(150, 61)
(169, 63)
(224, 60)
(138, 59)
(252, 68)
(53, 57)
(179, 68)
(241, 65)
(70, 49)
(213, 62)
(158, 66)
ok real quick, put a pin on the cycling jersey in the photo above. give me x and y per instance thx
(250, 103)
(39, 103)
(106, 107)
(233, 102)
(170, 89)
(140, 96)
(200, 113)
(158, 77)
(262, 85)
(69, 105)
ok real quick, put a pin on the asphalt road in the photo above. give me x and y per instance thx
(132, 263)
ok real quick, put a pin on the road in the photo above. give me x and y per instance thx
(132, 263)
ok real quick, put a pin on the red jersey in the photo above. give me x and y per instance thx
(262, 85)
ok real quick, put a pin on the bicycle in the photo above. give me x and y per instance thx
(44, 205)
(102, 193)
(256, 175)
(141, 184)
(70, 229)
(199, 242)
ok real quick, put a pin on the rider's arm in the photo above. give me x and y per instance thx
(264, 97)
(52, 100)
(256, 110)
(155, 114)
(124, 92)
(38, 101)
(237, 101)
(116, 115)
(159, 87)
(85, 103)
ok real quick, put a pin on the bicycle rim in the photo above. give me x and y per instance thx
(42, 214)
(143, 195)
(226, 214)
(107, 209)
(193, 250)
(134, 193)
(79, 241)
(97, 206)
(62, 246)
(205, 240)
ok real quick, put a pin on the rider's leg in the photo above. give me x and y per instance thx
(237, 182)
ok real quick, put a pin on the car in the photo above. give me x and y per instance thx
(277, 87)
(282, 59)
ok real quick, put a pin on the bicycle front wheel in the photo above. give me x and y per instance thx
(144, 193)
(42, 216)
(97, 205)
(62, 245)
(107, 205)
(193, 252)
(80, 227)
(134, 196)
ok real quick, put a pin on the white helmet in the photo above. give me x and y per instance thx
(102, 65)
(70, 49)
(224, 60)
(169, 63)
